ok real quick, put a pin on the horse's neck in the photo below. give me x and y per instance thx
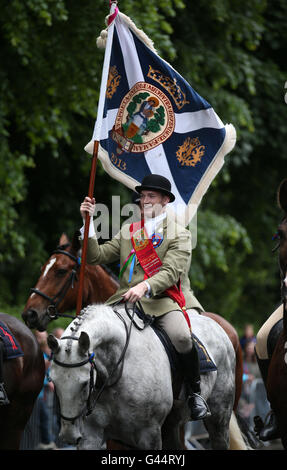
(100, 285)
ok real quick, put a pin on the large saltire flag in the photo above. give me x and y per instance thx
(155, 122)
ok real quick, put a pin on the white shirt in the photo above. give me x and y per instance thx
(150, 225)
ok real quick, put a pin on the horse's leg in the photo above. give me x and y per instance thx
(172, 430)
(218, 430)
(150, 439)
(15, 417)
(220, 388)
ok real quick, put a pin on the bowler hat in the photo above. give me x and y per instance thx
(156, 183)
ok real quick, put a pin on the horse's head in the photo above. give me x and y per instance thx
(281, 235)
(73, 374)
(56, 290)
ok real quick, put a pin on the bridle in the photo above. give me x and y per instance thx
(51, 310)
(94, 392)
(92, 385)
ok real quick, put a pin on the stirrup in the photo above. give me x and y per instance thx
(3, 395)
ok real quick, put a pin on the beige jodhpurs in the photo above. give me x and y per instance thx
(262, 335)
(175, 325)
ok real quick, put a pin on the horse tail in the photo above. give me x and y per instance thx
(236, 441)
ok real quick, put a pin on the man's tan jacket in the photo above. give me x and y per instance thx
(175, 255)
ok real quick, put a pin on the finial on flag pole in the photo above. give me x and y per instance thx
(105, 73)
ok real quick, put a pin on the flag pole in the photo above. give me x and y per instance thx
(96, 138)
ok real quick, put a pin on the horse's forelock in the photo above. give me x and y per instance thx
(63, 247)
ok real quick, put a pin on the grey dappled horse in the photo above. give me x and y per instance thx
(114, 381)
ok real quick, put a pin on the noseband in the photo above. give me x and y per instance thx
(52, 311)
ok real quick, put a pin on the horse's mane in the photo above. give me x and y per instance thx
(79, 321)
(63, 247)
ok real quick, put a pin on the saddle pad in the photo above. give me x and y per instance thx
(171, 352)
(11, 346)
(206, 363)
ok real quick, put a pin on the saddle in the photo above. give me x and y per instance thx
(205, 361)
(9, 349)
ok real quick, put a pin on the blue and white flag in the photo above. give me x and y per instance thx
(154, 122)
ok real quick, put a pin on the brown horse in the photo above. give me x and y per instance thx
(276, 384)
(57, 288)
(23, 380)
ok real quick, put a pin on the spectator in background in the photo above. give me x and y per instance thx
(250, 367)
(251, 372)
(247, 336)
(46, 439)
(57, 332)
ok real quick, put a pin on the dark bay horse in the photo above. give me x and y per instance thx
(276, 384)
(56, 292)
(23, 380)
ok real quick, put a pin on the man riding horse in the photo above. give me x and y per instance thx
(153, 257)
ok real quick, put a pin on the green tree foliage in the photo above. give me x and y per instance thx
(232, 53)
(49, 85)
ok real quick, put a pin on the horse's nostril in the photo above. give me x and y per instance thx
(32, 314)
(30, 317)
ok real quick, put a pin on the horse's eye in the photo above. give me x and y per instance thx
(61, 272)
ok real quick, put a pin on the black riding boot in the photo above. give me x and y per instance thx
(269, 429)
(197, 404)
(3, 395)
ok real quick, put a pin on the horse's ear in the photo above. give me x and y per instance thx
(64, 240)
(76, 245)
(84, 342)
(53, 344)
(282, 196)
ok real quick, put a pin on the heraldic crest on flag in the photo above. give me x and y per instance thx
(154, 122)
